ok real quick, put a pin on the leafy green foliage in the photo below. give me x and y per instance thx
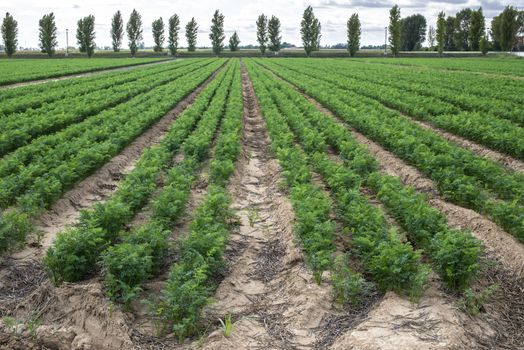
(134, 31)
(47, 34)
(191, 34)
(172, 37)
(117, 31)
(353, 32)
(216, 34)
(109, 218)
(74, 254)
(158, 34)
(9, 30)
(310, 31)
(349, 287)
(262, 33)
(462, 176)
(85, 35)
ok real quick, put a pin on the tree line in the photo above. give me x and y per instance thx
(465, 32)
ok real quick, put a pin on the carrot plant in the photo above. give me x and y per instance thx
(191, 279)
(454, 254)
(108, 218)
(462, 177)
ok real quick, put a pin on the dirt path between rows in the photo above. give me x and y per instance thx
(81, 75)
(268, 290)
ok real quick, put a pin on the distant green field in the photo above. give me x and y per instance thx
(21, 70)
(498, 65)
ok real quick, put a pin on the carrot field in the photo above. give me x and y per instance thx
(248, 203)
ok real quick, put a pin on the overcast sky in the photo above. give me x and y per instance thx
(240, 15)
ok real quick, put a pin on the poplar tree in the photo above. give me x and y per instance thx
(191, 34)
(354, 32)
(9, 34)
(157, 28)
(117, 31)
(274, 37)
(394, 30)
(310, 31)
(441, 32)
(173, 29)
(431, 38)
(47, 34)
(476, 29)
(85, 35)
(134, 31)
(217, 32)
(262, 33)
(234, 41)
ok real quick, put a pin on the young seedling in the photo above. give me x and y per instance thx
(227, 325)
(253, 216)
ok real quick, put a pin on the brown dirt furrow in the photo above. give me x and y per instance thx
(268, 291)
(81, 75)
(504, 159)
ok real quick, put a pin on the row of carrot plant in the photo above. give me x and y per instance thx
(21, 70)
(21, 128)
(461, 176)
(38, 95)
(394, 265)
(192, 279)
(486, 129)
(468, 97)
(36, 175)
(454, 254)
(101, 225)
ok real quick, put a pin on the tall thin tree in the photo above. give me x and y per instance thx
(509, 26)
(117, 31)
(158, 34)
(217, 32)
(354, 32)
(262, 33)
(85, 35)
(274, 37)
(191, 34)
(476, 29)
(310, 31)
(172, 38)
(431, 38)
(9, 34)
(441, 32)
(394, 28)
(234, 41)
(47, 34)
(134, 31)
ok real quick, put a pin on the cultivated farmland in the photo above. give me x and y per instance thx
(282, 203)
